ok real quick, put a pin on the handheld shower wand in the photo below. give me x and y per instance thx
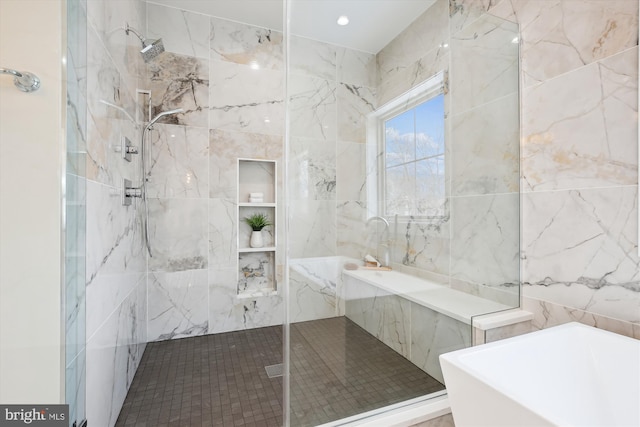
(143, 160)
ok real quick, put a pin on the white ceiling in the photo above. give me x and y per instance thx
(373, 23)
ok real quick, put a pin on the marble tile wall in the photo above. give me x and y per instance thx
(116, 276)
(412, 330)
(474, 246)
(579, 161)
(229, 79)
(75, 211)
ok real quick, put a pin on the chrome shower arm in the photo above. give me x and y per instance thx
(129, 29)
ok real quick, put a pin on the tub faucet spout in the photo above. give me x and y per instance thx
(382, 248)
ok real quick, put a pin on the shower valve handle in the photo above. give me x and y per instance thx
(129, 192)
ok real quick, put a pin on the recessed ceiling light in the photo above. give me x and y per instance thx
(254, 65)
(343, 20)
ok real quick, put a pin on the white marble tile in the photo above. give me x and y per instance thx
(178, 162)
(108, 21)
(422, 244)
(246, 44)
(312, 289)
(312, 228)
(509, 331)
(105, 294)
(104, 162)
(313, 111)
(580, 250)
(433, 334)
(312, 58)
(425, 34)
(563, 35)
(225, 147)
(464, 12)
(355, 67)
(398, 80)
(178, 234)
(112, 360)
(354, 104)
(312, 169)
(383, 315)
(182, 32)
(485, 239)
(486, 149)
(244, 99)
(114, 238)
(222, 233)
(227, 312)
(547, 314)
(352, 238)
(351, 171)
(579, 129)
(504, 9)
(178, 305)
(179, 81)
(141, 315)
(256, 273)
(489, 47)
(75, 387)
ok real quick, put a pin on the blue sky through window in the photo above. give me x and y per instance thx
(414, 159)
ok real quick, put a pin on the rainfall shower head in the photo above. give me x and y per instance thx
(150, 48)
(161, 115)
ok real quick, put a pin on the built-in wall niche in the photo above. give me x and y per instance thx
(256, 195)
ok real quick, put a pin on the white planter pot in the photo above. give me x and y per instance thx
(256, 239)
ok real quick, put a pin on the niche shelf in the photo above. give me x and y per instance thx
(256, 266)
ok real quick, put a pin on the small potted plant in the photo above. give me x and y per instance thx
(257, 222)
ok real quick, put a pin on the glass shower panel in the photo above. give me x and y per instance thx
(75, 213)
(364, 336)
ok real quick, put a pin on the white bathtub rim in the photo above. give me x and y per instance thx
(458, 361)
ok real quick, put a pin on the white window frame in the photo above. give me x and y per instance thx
(376, 188)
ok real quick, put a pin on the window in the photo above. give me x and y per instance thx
(413, 165)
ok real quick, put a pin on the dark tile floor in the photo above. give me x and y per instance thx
(337, 370)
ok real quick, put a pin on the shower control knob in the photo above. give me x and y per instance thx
(129, 192)
(126, 148)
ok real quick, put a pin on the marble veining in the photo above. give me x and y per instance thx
(563, 35)
(566, 232)
(178, 305)
(179, 81)
(179, 162)
(246, 44)
(583, 138)
(313, 108)
(178, 234)
(312, 58)
(182, 32)
(354, 103)
(248, 100)
(489, 47)
(312, 166)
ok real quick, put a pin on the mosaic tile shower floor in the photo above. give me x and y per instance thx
(338, 370)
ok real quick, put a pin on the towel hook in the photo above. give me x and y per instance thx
(23, 80)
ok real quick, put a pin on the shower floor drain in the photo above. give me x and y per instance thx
(274, 371)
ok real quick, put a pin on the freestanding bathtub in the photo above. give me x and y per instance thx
(569, 375)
